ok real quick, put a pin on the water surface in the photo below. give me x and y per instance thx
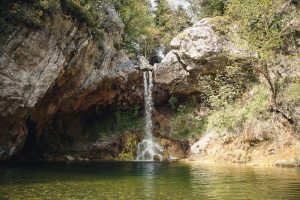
(137, 180)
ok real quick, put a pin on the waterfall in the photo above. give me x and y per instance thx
(148, 150)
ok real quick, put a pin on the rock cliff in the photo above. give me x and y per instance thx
(61, 87)
(59, 70)
(206, 48)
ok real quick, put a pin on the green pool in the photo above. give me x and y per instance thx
(137, 180)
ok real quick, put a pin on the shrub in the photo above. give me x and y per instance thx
(232, 118)
(173, 101)
(81, 10)
(262, 24)
(292, 93)
(226, 85)
(208, 8)
(128, 120)
(32, 13)
(186, 123)
(113, 122)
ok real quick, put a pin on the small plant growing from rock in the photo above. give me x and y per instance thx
(173, 102)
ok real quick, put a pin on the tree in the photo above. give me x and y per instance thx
(208, 8)
(140, 33)
(170, 21)
(146, 30)
(266, 26)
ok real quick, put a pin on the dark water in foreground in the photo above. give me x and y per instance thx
(131, 180)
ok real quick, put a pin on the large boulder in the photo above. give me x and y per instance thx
(199, 49)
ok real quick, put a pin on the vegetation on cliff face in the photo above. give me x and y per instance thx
(263, 87)
(140, 34)
(145, 28)
(170, 22)
(185, 122)
(208, 8)
(115, 122)
(34, 14)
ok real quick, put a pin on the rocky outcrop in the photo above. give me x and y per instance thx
(205, 48)
(260, 143)
(61, 69)
(200, 49)
(61, 87)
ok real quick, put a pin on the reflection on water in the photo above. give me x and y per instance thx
(146, 180)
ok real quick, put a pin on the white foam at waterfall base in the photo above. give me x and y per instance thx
(148, 150)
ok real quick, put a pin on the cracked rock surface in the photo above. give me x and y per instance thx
(199, 49)
(62, 68)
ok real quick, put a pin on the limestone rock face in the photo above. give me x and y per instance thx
(62, 68)
(144, 64)
(199, 49)
(259, 143)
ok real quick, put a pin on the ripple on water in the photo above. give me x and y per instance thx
(134, 180)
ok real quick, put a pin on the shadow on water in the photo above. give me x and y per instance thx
(146, 180)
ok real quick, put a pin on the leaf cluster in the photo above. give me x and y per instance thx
(226, 85)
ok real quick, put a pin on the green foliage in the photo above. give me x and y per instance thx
(128, 120)
(170, 21)
(82, 10)
(186, 123)
(129, 147)
(262, 24)
(114, 122)
(267, 27)
(289, 98)
(30, 13)
(145, 31)
(226, 85)
(90, 12)
(292, 93)
(173, 102)
(232, 118)
(140, 32)
(208, 8)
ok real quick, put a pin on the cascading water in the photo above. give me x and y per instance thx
(148, 150)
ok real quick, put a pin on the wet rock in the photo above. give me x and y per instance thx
(172, 159)
(70, 158)
(3, 154)
(143, 64)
